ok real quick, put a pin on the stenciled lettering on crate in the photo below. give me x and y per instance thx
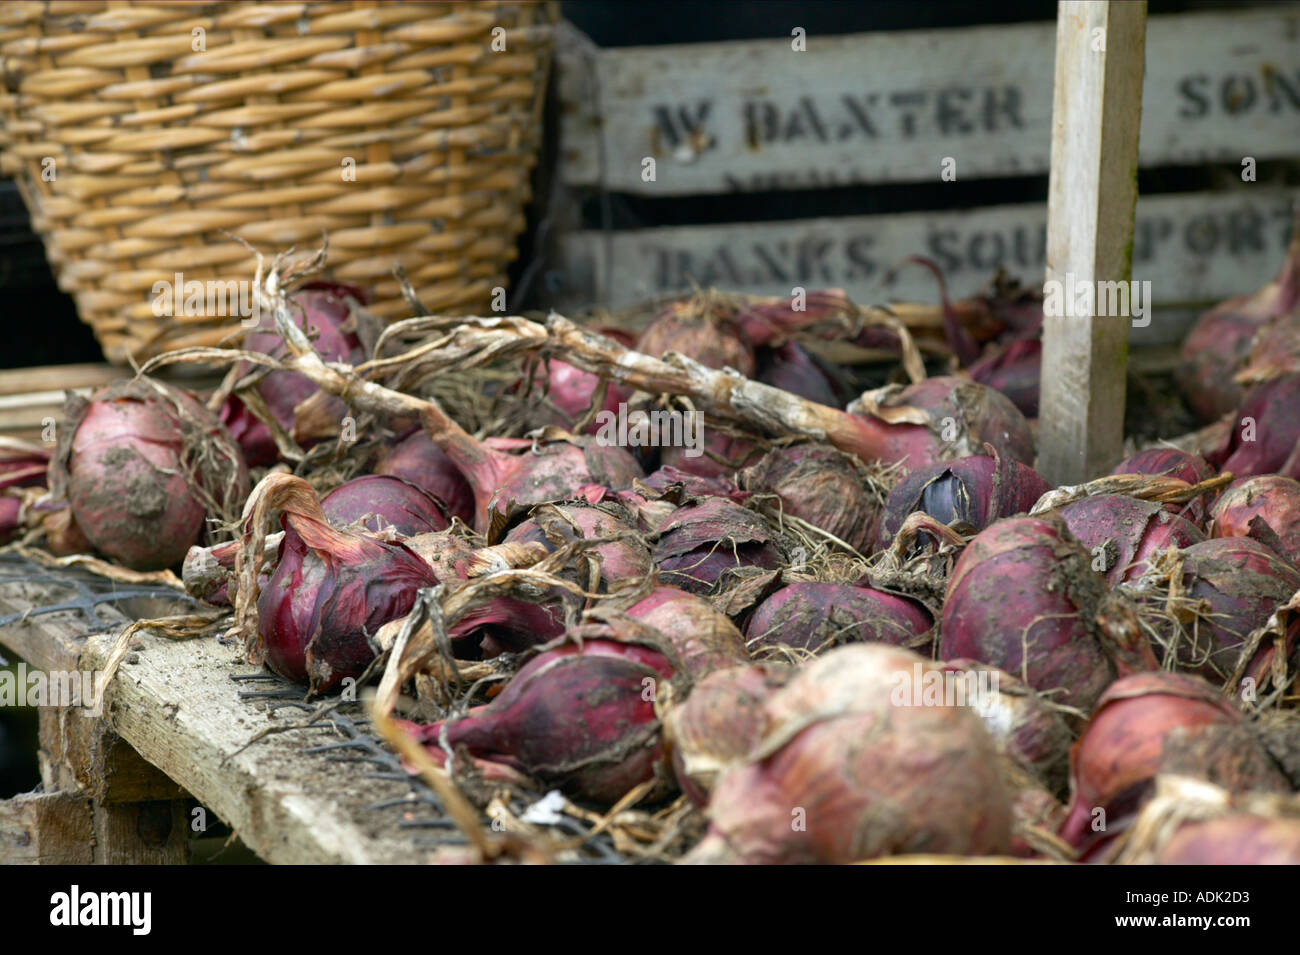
(1194, 248)
(890, 107)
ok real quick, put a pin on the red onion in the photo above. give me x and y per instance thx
(848, 770)
(684, 484)
(1265, 431)
(1024, 727)
(553, 525)
(1023, 597)
(963, 416)
(384, 500)
(11, 517)
(792, 369)
(698, 333)
(1014, 370)
(1241, 582)
(1129, 532)
(321, 310)
(975, 490)
(1271, 499)
(22, 464)
(701, 542)
(818, 616)
(1219, 342)
(580, 718)
(736, 452)
(1154, 723)
(420, 461)
(143, 465)
(702, 639)
(719, 724)
(821, 485)
(1239, 839)
(1170, 462)
(330, 589)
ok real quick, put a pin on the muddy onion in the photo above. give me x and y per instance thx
(866, 774)
(719, 723)
(1023, 597)
(1241, 582)
(141, 464)
(1123, 533)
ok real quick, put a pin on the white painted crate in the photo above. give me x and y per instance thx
(888, 107)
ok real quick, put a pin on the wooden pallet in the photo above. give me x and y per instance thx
(124, 788)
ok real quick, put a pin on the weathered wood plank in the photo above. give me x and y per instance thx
(1092, 194)
(79, 751)
(1194, 249)
(46, 829)
(888, 107)
(177, 706)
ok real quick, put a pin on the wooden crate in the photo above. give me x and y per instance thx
(874, 109)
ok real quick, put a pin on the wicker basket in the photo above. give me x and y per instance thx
(402, 130)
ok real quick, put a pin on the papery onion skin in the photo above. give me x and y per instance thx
(704, 639)
(1151, 723)
(1023, 597)
(817, 616)
(1171, 462)
(843, 773)
(625, 558)
(701, 542)
(1130, 531)
(714, 342)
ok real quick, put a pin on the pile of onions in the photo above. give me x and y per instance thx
(817, 616)
(847, 770)
(816, 483)
(143, 466)
(1023, 597)
(421, 462)
(719, 723)
(580, 716)
(1221, 339)
(701, 542)
(1153, 723)
(1126, 532)
(975, 491)
(1266, 508)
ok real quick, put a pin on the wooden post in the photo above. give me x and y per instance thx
(1092, 193)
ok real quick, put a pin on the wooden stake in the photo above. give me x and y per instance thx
(1100, 48)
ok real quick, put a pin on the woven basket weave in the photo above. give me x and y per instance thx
(396, 128)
